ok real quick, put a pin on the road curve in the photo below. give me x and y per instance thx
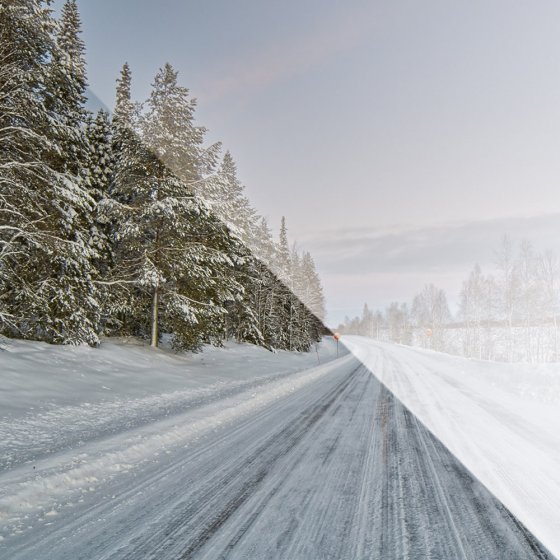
(337, 469)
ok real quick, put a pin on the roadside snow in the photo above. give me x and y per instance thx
(53, 397)
(35, 374)
(502, 421)
(74, 418)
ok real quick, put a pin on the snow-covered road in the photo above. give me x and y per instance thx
(502, 421)
(319, 463)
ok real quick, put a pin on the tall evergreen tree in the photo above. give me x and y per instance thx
(25, 47)
(65, 93)
(229, 202)
(100, 163)
(69, 66)
(49, 290)
(74, 294)
(267, 284)
(312, 293)
(99, 171)
(170, 247)
(283, 263)
(124, 306)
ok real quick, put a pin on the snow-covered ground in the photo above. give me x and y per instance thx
(73, 416)
(37, 376)
(125, 453)
(502, 421)
(54, 397)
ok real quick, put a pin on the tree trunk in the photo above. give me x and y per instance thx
(155, 311)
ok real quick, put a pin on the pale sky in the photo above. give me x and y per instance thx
(401, 139)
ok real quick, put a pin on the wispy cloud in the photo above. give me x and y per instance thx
(438, 249)
(275, 62)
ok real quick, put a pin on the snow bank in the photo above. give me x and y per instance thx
(75, 418)
(56, 397)
(38, 375)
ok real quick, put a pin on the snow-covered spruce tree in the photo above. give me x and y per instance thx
(267, 285)
(170, 248)
(300, 317)
(283, 257)
(285, 298)
(309, 305)
(66, 91)
(285, 284)
(99, 165)
(99, 174)
(229, 202)
(312, 293)
(122, 123)
(225, 195)
(74, 297)
(297, 322)
(312, 296)
(46, 282)
(125, 309)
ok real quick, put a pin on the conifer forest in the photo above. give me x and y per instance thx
(129, 223)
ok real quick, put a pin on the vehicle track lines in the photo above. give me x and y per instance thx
(338, 469)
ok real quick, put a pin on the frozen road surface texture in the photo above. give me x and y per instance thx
(310, 463)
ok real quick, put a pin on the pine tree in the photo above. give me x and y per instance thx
(65, 93)
(47, 281)
(267, 284)
(123, 135)
(283, 264)
(283, 292)
(170, 247)
(298, 315)
(225, 195)
(124, 306)
(229, 202)
(312, 293)
(74, 295)
(25, 46)
(69, 62)
(99, 171)
(100, 163)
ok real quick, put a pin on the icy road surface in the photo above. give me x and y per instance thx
(502, 421)
(321, 463)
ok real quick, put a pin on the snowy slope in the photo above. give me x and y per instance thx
(501, 421)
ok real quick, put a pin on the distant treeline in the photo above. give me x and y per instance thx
(128, 224)
(511, 315)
